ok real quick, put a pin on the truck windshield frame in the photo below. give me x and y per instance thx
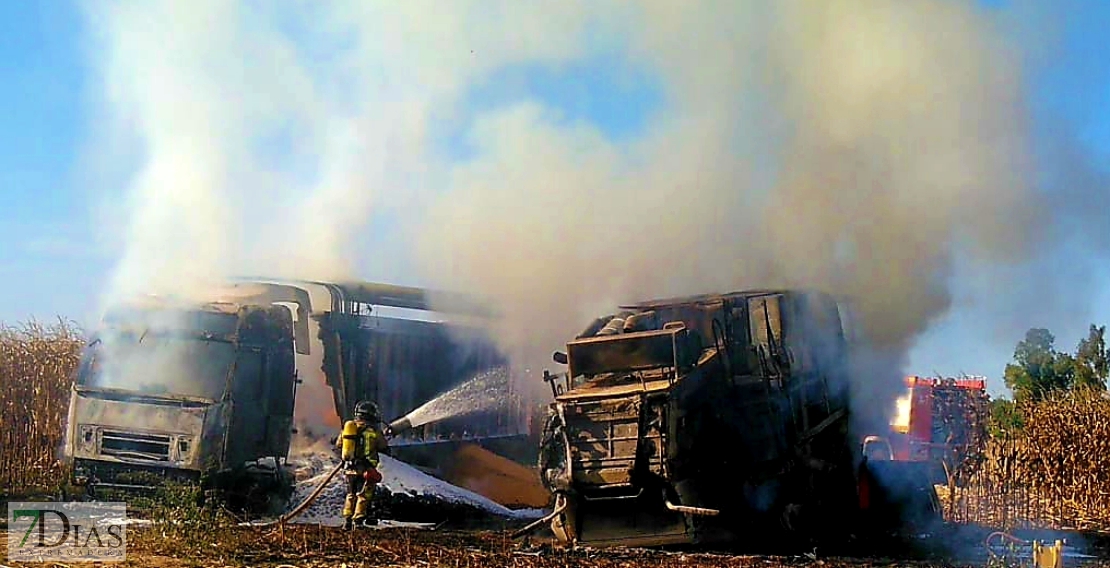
(161, 364)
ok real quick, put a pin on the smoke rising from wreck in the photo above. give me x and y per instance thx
(838, 145)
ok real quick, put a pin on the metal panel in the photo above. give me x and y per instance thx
(134, 444)
(624, 352)
(402, 364)
(766, 321)
(412, 298)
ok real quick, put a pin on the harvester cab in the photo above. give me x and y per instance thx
(699, 418)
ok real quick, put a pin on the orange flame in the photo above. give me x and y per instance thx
(901, 421)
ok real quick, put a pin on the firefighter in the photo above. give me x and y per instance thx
(359, 444)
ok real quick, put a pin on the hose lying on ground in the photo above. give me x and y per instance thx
(308, 500)
(1043, 555)
(1003, 536)
(536, 524)
(312, 497)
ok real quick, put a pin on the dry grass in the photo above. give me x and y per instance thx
(316, 547)
(37, 362)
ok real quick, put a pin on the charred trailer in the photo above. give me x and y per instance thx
(719, 417)
(194, 393)
(396, 346)
(402, 363)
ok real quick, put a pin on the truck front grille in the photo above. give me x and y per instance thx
(121, 444)
(131, 475)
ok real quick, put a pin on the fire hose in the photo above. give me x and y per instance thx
(396, 426)
(311, 497)
(536, 524)
(1044, 556)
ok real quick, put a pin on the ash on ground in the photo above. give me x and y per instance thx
(406, 496)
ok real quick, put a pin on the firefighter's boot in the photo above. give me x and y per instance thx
(349, 509)
(360, 509)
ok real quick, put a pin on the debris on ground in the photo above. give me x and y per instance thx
(498, 478)
(307, 546)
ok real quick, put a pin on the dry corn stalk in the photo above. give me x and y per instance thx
(37, 364)
(1055, 473)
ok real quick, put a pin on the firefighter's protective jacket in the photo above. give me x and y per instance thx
(361, 441)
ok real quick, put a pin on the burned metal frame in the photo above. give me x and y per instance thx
(762, 404)
(346, 314)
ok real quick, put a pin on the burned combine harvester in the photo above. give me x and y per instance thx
(942, 420)
(702, 419)
(204, 392)
(190, 392)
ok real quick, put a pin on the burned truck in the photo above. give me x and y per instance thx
(188, 392)
(699, 419)
(210, 392)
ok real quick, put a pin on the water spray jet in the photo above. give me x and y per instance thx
(399, 425)
(481, 392)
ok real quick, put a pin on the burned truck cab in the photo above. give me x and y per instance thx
(699, 419)
(196, 393)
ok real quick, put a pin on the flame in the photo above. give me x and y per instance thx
(314, 408)
(901, 421)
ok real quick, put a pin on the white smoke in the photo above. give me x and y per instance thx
(855, 146)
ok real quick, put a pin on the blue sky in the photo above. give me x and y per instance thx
(48, 263)
(54, 262)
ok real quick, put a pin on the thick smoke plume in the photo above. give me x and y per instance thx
(833, 145)
(857, 147)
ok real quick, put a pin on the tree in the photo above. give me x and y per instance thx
(1092, 360)
(1038, 368)
(1005, 418)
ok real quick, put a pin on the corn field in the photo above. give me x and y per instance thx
(36, 369)
(1052, 473)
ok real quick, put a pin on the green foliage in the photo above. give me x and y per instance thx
(1006, 420)
(1038, 368)
(1092, 360)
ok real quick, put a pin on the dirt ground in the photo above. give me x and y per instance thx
(312, 546)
